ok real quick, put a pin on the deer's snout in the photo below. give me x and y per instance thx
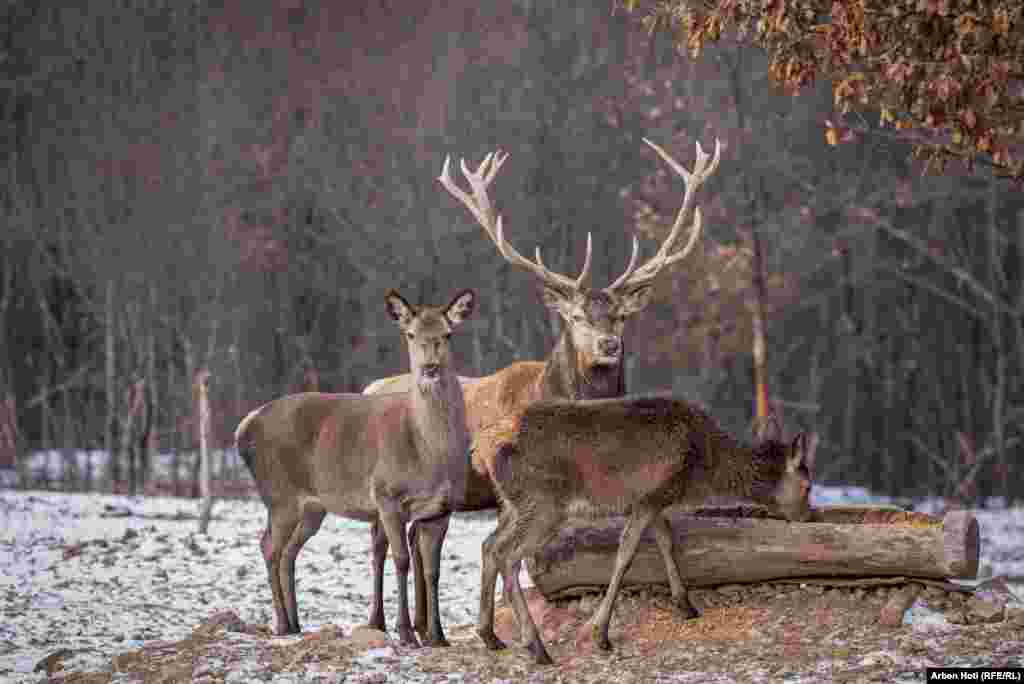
(609, 346)
(431, 370)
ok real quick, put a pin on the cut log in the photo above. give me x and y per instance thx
(746, 546)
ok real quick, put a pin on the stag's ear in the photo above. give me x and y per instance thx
(461, 307)
(398, 308)
(635, 300)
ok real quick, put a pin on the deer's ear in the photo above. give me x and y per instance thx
(767, 429)
(398, 308)
(461, 307)
(635, 300)
(804, 447)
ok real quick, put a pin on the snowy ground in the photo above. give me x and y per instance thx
(104, 574)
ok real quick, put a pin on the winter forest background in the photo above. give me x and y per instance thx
(230, 188)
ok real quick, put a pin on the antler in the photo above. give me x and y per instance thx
(634, 277)
(480, 206)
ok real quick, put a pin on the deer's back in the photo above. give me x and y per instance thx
(611, 451)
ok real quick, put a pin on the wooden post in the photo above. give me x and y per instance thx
(206, 505)
(9, 438)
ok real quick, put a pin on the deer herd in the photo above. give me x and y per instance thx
(540, 441)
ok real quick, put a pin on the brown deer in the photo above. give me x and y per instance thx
(387, 459)
(587, 360)
(635, 456)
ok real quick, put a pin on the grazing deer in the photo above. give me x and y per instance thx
(387, 459)
(586, 362)
(635, 455)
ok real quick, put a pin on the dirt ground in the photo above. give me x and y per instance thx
(768, 632)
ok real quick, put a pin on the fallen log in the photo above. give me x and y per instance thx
(739, 544)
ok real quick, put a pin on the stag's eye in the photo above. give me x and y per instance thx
(447, 336)
(578, 318)
(409, 335)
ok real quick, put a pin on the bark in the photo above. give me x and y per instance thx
(718, 545)
(757, 321)
(110, 377)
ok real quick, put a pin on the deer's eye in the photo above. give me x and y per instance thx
(578, 318)
(409, 335)
(447, 336)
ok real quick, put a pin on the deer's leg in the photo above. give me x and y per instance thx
(419, 584)
(279, 531)
(394, 527)
(630, 539)
(527, 537)
(663, 536)
(488, 575)
(308, 525)
(429, 535)
(378, 553)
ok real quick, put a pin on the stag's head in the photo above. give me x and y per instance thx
(593, 320)
(428, 331)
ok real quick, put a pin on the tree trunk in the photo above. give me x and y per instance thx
(114, 472)
(757, 321)
(717, 546)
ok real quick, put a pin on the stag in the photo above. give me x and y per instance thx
(587, 361)
(387, 459)
(635, 456)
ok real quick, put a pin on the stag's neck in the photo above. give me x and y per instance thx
(565, 375)
(438, 415)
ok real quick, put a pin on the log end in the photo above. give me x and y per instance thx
(961, 542)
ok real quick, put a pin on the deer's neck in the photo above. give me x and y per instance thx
(439, 418)
(567, 376)
(738, 471)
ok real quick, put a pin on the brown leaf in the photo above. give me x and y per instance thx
(969, 118)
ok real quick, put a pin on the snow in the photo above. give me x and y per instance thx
(102, 574)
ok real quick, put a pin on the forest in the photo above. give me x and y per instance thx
(218, 195)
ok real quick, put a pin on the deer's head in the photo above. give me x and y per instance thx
(428, 331)
(593, 320)
(787, 468)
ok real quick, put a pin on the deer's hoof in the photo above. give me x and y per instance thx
(539, 653)
(284, 629)
(407, 637)
(491, 640)
(684, 610)
(435, 641)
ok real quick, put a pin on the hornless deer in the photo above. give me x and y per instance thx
(587, 360)
(386, 459)
(632, 455)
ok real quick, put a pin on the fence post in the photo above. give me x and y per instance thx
(206, 505)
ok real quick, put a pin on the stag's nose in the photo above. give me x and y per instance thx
(609, 346)
(431, 370)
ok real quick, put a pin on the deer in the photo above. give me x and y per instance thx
(386, 459)
(633, 455)
(587, 361)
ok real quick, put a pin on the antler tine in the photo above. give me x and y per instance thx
(479, 204)
(585, 273)
(629, 269)
(702, 170)
(547, 276)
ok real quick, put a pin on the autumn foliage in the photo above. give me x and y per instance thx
(946, 73)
